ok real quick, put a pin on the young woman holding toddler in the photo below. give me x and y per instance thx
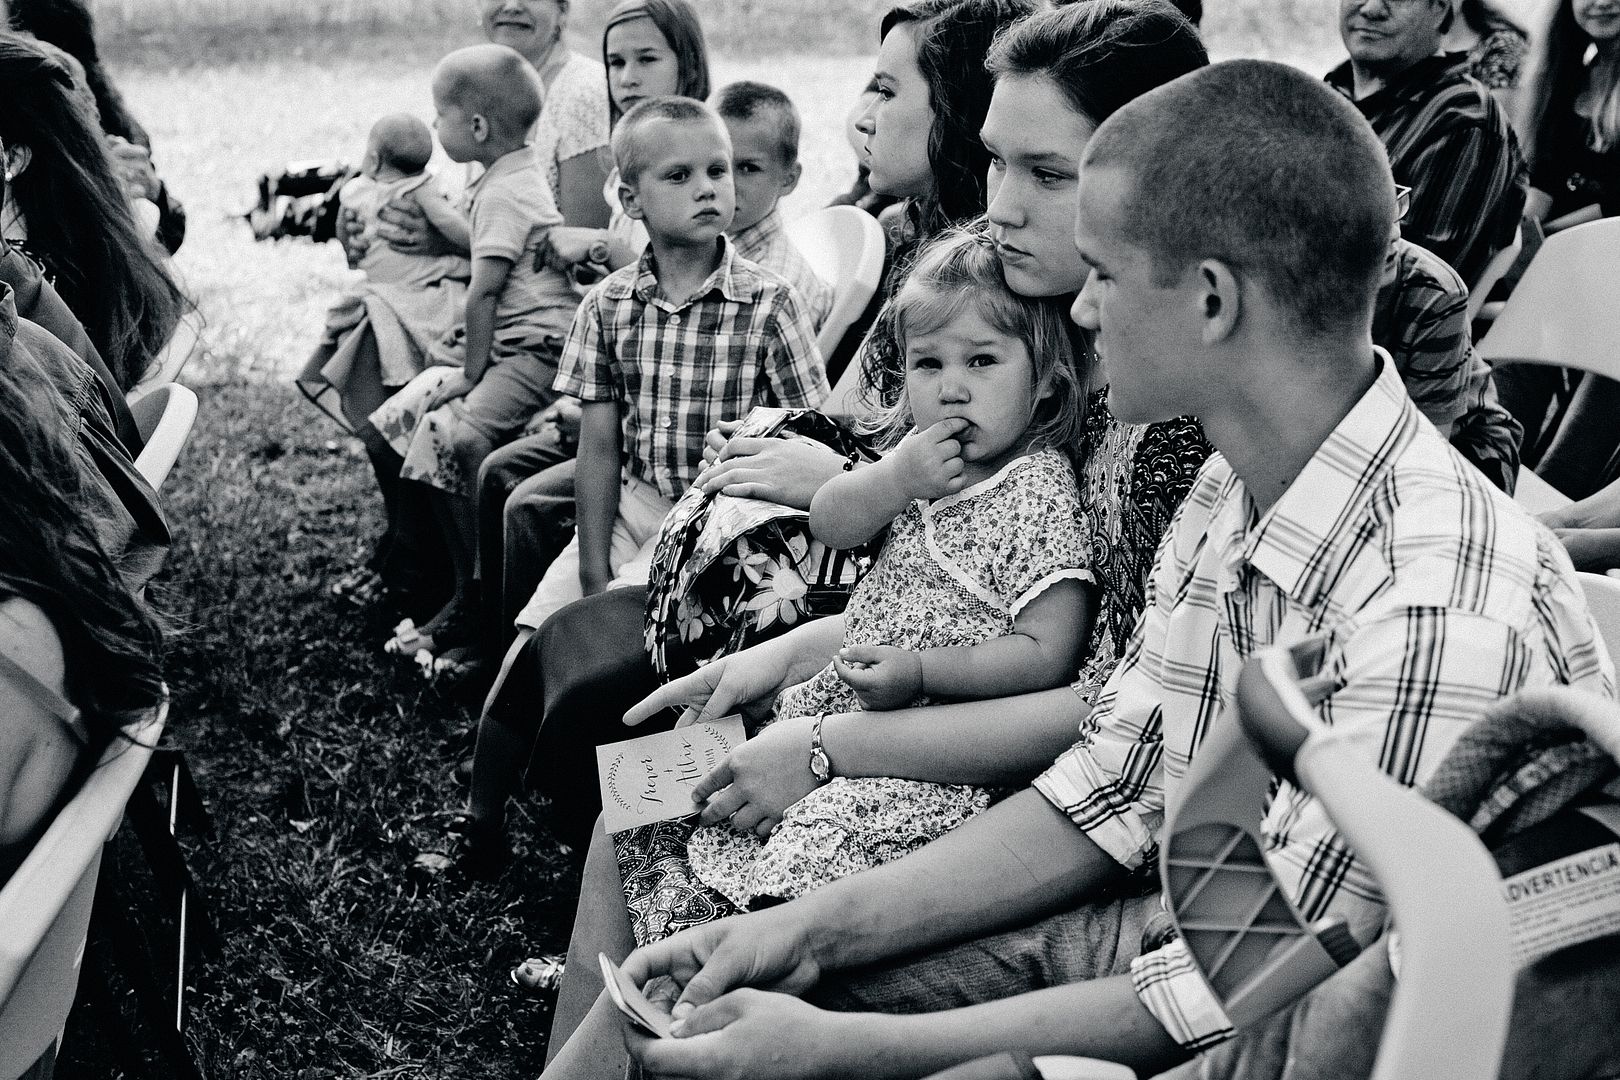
(1058, 75)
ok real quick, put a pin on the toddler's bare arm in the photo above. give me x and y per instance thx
(445, 218)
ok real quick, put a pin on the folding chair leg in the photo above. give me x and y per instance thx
(168, 865)
(111, 911)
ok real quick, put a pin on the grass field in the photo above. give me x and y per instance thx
(326, 766)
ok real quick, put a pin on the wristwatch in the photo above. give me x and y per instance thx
(598, 253)
(820, 766)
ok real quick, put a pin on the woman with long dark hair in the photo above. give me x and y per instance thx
(1572, 141)
(1572, 121)
(67, 209)
(79, 651)
(1495, 44)
(69, 26)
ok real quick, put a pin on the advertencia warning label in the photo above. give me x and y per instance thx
(1566, 902)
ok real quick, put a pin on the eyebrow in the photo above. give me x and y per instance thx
(1048, 157)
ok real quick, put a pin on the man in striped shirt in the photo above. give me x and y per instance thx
(1236, 224)
(1446, 137)
(1421, 320)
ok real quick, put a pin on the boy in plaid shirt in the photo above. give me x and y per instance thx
(664, 349)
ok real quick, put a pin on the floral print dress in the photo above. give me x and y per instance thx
(955, 572)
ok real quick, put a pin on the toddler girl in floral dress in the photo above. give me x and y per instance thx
(979, 589)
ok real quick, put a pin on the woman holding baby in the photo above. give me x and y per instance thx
(346, 378)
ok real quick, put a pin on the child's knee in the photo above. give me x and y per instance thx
(470, 445)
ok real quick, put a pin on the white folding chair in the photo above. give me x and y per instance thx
(1255, 950)
(164, 418)
(1565, 312)
(173, 359)
(45, 907)
(1441, 883)
(1501, 262)
(845, 247)
(1603, 597)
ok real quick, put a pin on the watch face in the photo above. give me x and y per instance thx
(820, 767)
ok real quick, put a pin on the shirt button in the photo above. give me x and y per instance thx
(669, 421)
(674, 320)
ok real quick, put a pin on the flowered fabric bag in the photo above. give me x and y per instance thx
(729, 572)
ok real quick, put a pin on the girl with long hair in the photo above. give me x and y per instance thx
(1572, 121)
(67, 209)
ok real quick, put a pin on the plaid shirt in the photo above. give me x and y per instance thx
(1421, 320)
(1449, 142)
(679, 369)
(1435, 597)
(766, 243)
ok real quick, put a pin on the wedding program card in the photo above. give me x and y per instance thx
(651, 779)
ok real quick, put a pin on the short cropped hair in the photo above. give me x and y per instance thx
(1100, 54)
(1266, 169)
(403, 143)
(495, 82)
(751, 100)
(629, 142)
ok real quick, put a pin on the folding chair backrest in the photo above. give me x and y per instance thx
(1603, 597)
(846, 247)
(1256, 951)
(1565, 311)
(174, 357)
(164, 418)
(45, 907)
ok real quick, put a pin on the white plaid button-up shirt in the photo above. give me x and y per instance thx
(678, 369)
(1436, 595)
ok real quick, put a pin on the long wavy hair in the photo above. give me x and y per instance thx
(953, 38)
(111, 641)
(1560, 76)
(79, 222)
(682, 28)
(69, 26)
(1484, 18)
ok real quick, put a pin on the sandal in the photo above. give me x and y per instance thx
(360, 586)
(538, 974)
(408, 640)
(455, 665)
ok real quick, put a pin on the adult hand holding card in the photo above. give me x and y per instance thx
(630, 1001)
(651, 779)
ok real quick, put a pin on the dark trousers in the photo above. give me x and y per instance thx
(525, 517)
(568, 690)
(1571, 436)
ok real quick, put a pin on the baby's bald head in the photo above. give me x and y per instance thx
(402, 142)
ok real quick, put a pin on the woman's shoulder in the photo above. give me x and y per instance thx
(28, 638)
(580, 80)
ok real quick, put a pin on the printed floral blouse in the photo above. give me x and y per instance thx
(955, 572)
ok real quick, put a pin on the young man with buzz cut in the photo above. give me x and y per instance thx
(1236, 223)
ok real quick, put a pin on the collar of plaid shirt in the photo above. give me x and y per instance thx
(758, 236)
(736, 283)
(1297, 543)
